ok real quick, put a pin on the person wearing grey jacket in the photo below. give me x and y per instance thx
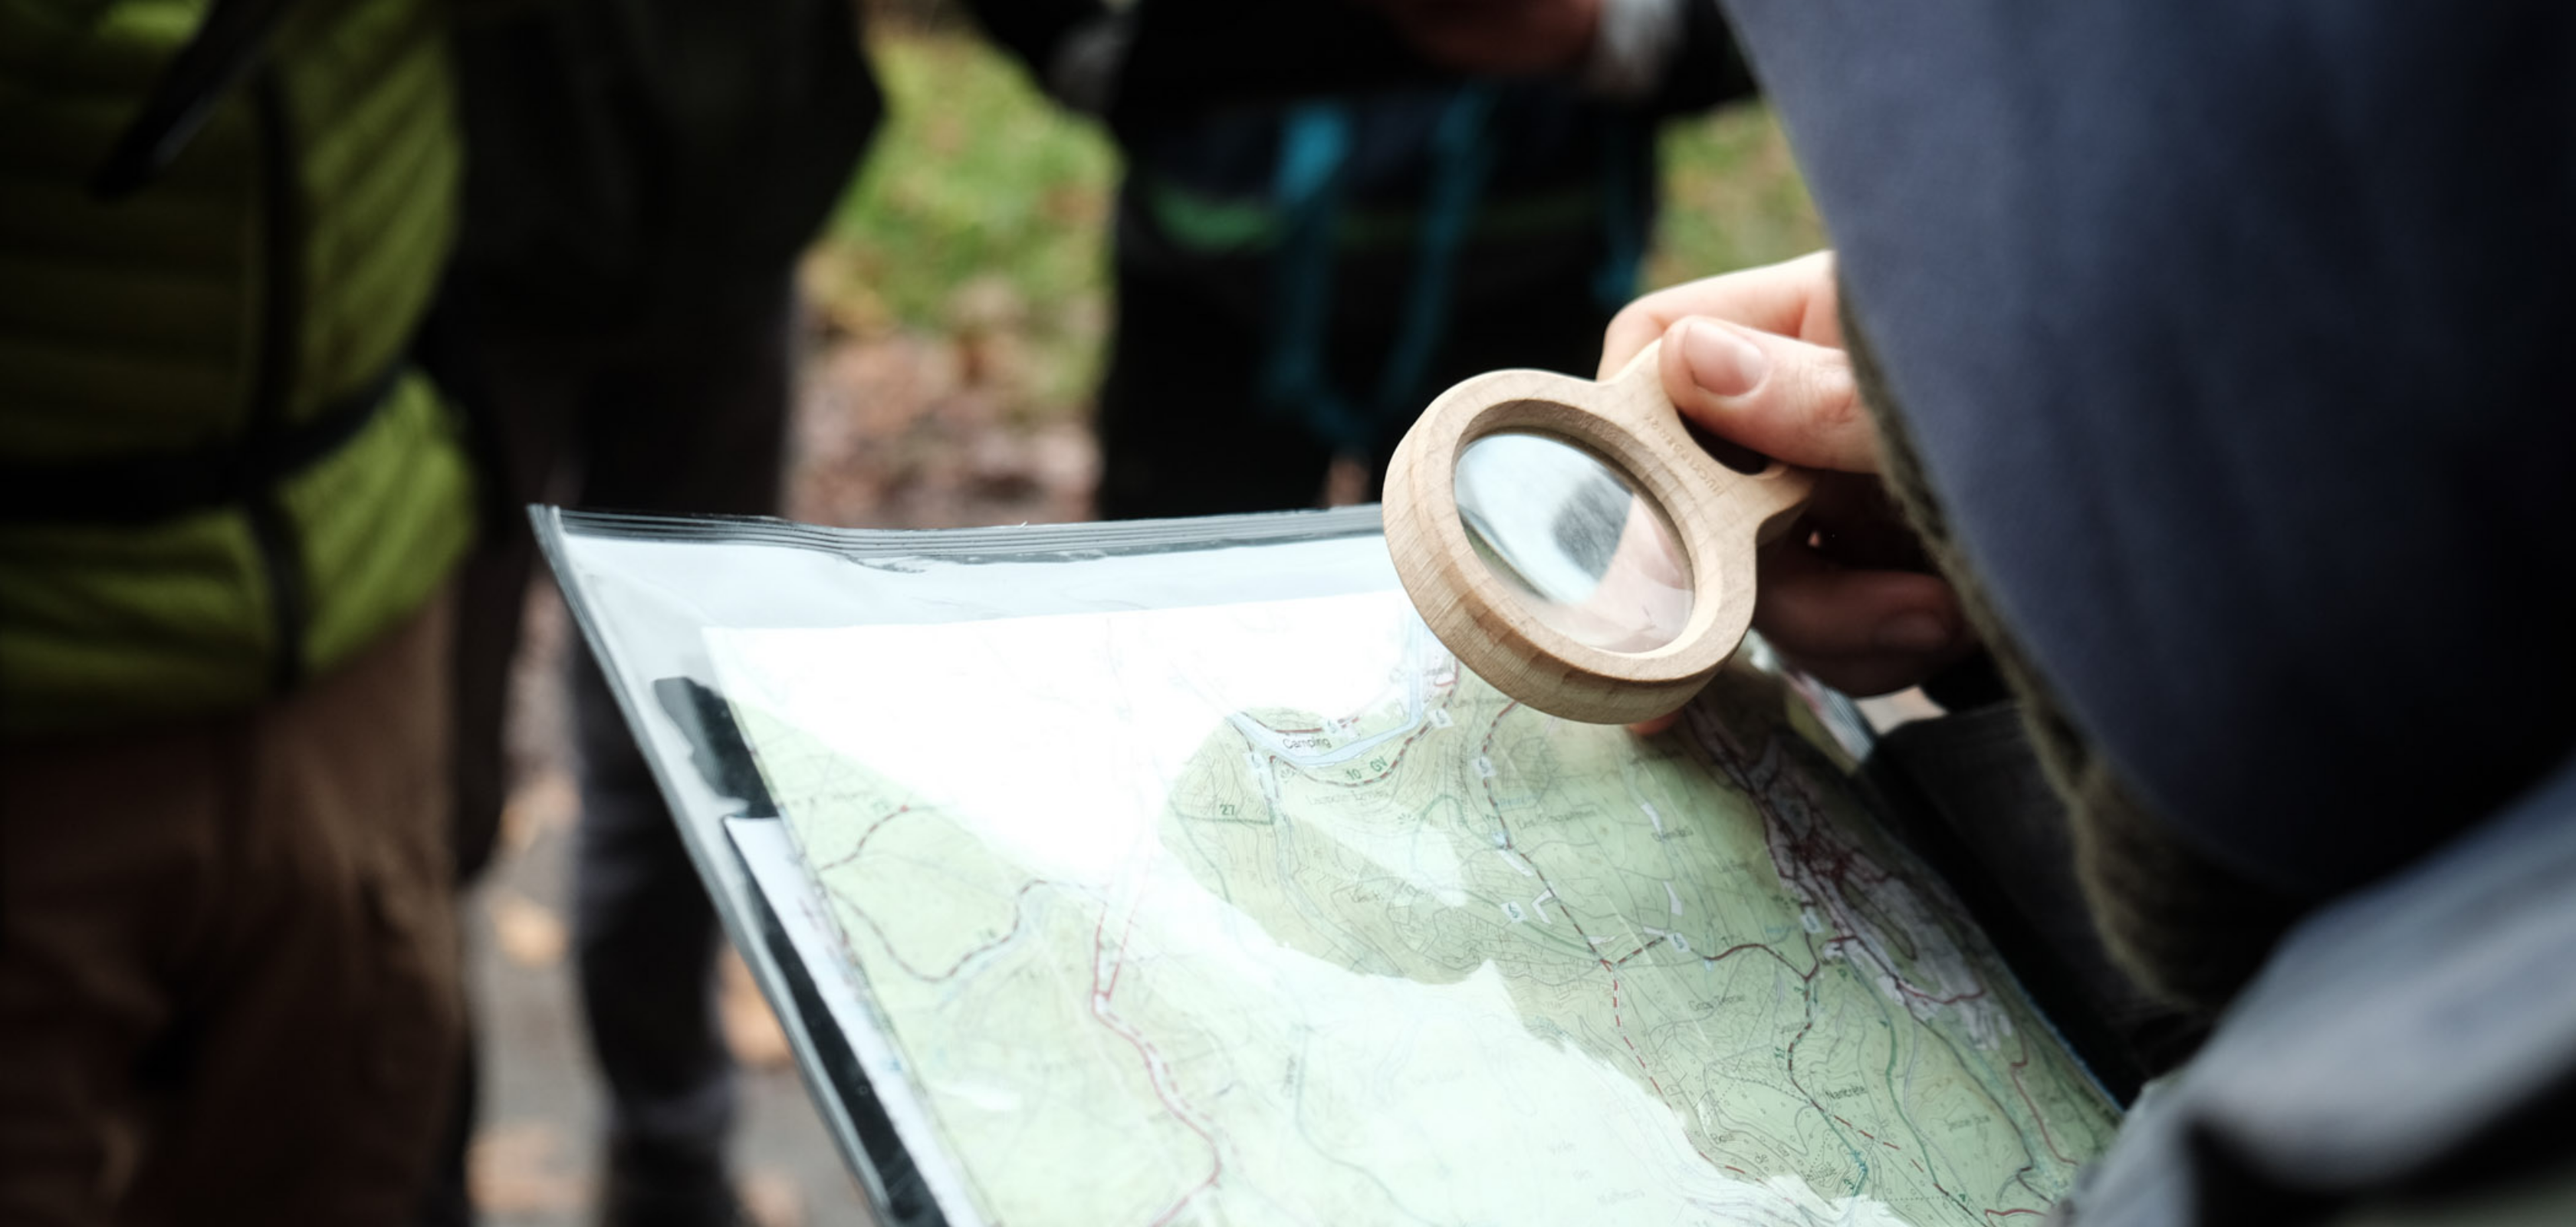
(2218, 357)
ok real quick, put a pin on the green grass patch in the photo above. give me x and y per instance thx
(982, 204)
(1732, 198)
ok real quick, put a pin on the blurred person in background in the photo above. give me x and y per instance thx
(641, 177)
(229, 512)
(1303, 260)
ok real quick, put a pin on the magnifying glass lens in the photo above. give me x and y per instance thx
(1586, 553)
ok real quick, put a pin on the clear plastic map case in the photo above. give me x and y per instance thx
(1171, 872)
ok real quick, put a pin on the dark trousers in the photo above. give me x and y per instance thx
(228, 978)
(686, 417)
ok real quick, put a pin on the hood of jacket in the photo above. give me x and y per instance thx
(2236, 342)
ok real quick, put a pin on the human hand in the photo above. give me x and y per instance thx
(1756, 358)
(1498, 37)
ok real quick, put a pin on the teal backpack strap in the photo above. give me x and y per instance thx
(1462, 159)
(1626, 161)
(1314, 146)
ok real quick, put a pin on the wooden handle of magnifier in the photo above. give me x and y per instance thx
(1720, 496)
(1719, 515)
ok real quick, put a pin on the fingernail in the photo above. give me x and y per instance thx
(1721, 360)
(1913, 632)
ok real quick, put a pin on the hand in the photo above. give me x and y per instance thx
(1498, 37)
(1756, 357)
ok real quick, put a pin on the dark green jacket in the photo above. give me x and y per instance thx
(217, 473)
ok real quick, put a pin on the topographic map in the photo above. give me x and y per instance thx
(1264, 913)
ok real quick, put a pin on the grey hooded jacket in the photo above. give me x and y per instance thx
(2235, 344)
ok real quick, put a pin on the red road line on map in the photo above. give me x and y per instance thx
(1855, 1128)
(1155, 1071)
(1156, 1068)
(1117, 966)
(1623, 959)
(1485, 750)
(2026, 1101)
(864, 836)
(1622, 1029)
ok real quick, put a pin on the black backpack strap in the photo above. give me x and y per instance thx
(214, 61)
(144, 487)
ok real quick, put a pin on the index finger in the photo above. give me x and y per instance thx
(1794, 298)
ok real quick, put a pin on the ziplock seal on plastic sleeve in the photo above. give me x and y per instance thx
(1171, 871)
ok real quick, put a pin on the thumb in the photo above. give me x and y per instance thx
(1781, 397)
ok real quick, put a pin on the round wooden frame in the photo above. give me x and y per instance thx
(1719, 515)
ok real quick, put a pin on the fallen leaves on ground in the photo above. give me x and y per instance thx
(771, 1198)
(547, 802)
(915, 431)
(751, 1031)
(528, 932)
(523, 1168)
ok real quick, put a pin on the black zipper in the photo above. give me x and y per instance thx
(272, 531)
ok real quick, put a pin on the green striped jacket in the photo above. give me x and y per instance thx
(217, 473)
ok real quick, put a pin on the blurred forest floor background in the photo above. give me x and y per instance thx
(959, 308)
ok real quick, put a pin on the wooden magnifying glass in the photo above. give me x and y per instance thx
(1573, 544)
